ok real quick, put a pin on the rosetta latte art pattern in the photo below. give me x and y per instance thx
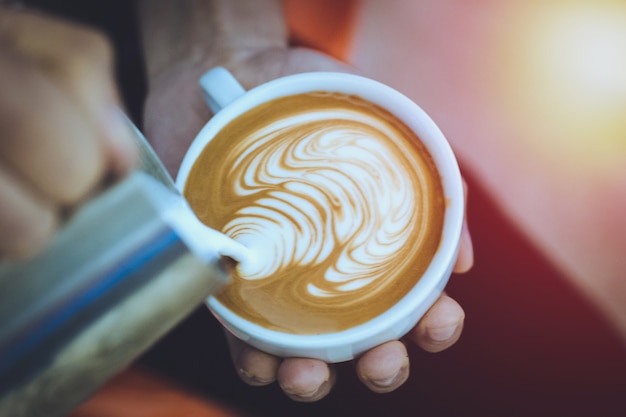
(326, 186)
(334, 203)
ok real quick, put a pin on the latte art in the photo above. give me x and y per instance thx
(338, 200)
(324, 186)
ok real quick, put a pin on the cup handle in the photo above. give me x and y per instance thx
(220, 88)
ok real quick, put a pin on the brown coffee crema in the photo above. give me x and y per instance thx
(340, 201)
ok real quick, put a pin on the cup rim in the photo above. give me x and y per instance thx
(431, 284)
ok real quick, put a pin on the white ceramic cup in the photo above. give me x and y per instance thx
(228, 100)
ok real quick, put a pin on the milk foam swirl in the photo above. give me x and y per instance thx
(339, 200)
(326, 182)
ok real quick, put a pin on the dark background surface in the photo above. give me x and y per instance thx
(532, 345)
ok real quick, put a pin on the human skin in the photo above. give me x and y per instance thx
(184, 39)
(62, 135)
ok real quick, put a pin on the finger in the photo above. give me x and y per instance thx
(306, 380)
(26, 221)
(440, 327)
(69, 52)
(253, 366)
(385, 367)
(465, 258)
(45, 140)
(80, 62)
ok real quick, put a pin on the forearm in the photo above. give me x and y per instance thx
(207, 33)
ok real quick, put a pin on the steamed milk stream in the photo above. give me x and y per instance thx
(338, 200)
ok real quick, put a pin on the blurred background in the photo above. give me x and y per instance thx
(532, 96)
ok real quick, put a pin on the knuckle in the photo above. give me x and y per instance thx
(25, 236)
(51, 147)
(95, 44)
(89, 51)
(25, 249)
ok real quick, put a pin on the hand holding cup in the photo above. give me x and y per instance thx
(351, 198)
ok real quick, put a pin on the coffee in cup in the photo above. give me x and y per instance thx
(342, 203)
(339, 200)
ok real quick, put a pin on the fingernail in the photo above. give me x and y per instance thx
(117, 129)
(441, 334)
(467, 241)
(253, 379)
(385, 385)
(255, 367)
(386, 382)
(465, 258)
(314, 395)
